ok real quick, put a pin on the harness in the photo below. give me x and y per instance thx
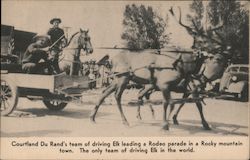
(153, 67)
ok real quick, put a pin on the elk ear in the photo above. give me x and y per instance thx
(87, 31)
(81, 30)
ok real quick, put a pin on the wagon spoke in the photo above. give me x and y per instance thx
(8, 104)
(3, 84)
(8, 97)
(4, 105)
(1, 102)
(8, 94)
(3, 88)
(7, 89)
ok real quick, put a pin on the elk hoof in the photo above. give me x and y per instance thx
(92, 119)
(206, 126)
(165, 127)
(125, 123)
(175, 120)
(139, 117)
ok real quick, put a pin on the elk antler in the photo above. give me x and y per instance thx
(189, 29)
(197, 31)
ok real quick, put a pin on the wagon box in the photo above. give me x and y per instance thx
(55, 90)
(31, 80)
(53, 83)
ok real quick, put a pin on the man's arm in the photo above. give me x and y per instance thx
(64, 40)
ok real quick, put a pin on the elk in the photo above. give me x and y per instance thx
(208, 72)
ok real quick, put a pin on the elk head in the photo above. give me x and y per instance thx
(202, 34)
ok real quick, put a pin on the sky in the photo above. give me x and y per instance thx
(102, 18)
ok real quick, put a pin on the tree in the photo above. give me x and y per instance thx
(235, 31)
(231, 36)
(197, 9)
(221, 26)
(143, 28)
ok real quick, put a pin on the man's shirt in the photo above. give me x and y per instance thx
(34, 54)
(55, 34)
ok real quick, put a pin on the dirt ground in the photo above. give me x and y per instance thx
(32, 118)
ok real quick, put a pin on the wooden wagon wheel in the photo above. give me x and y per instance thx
(54, 105)
(8, 97)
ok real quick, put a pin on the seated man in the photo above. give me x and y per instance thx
(34, 53)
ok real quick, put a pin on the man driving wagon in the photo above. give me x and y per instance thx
(36, 52)
(40, 48)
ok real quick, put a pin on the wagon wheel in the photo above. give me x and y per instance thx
(8, 97)
(55, 105)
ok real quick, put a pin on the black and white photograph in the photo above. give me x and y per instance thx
(124, 69)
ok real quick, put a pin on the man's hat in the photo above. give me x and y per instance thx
(55, 19)
(37, 37)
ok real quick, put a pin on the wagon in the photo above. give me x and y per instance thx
(56, 91)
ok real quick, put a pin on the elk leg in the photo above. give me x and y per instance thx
(166, 95)
(122, 84)
(105, 94)
(147, 96)
(176, 114)
(152, 111)
(170, 111)
(138, 116)
(203, 120)
(142, 93)
(185, 95)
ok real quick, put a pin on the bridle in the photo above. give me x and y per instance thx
(201, 77)
(82, 42)
(179, 64)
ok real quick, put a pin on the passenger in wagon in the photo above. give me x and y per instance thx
(58, 41)
(36, 52)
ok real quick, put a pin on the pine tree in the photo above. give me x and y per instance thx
(143, 28)
(231, 38)
(235, 31)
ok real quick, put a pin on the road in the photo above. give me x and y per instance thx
(32, 118)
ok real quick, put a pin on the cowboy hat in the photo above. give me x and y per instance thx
(55, 19)
(38, 37)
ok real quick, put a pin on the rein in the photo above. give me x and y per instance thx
(70, 48)
(72, 38)
(178, 58)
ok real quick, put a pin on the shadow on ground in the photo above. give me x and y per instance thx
(37, 112)
(194, 127)
(230, 98)
(32, 133)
